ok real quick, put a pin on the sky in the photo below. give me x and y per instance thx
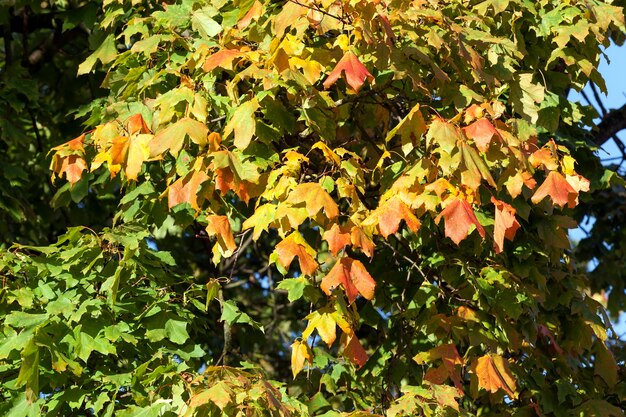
(612, 68)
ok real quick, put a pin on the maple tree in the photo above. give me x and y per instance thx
(307, 207)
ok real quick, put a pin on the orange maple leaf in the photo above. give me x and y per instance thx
(136, 123)
(450, 358)
(72, 166)
(354, 278)
(219, 226)
(223, 59)
(337, 237)
(390, 214)
(506, 224)
(295, 245)
(353, 350)
(493, 374)
(184, 190)
(315, 199)
(543, 157)
(361, 240)
(558, 189)
(253, 14)
(481, 132)
(355, 71)
(459, 217)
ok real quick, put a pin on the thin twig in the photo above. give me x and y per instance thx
(596, 95)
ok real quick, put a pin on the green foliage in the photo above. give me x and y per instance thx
(306, 208)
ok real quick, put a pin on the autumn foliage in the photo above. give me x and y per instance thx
(354, 207)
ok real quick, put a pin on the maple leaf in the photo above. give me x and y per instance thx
(136, 124)
(353, 350)
(360, 240)
(219, 226)
(253, 14)
(223, 59)
(352, 275)
(481, 132)
(476, 169)
(410, 129)
(459, 218)
(515, 183)
(543, 157)
(219, 394)
(389, 215)
(542, 330)
(337, 237)
(184, 190)
(578, 183)
(506, 224)
(300, 352)
(450, 358)
(243, 124)
(172, 137)
(493, 374)
(72, 166)
(130, 153)
(260, 220)
(558, 189)
(233, 174)
(325, 321)
(315, 199)
(295, 245)
(355, 72)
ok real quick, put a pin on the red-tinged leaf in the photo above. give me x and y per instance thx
(231, 173)
(184, 190)
(75, 144)
(355, 72)
(172, 137)
(128, 153)
(315, 199)
(578, 183)
(390, 37)
(295, 245)
(450, 358)
(136, 124)
(352, 275)
(493, 374)
(506, 224)
(253, 14)
(337, 237)
(300, 353)
(481, 132)
(72, 167)
(389, 215)
(543, 157)
(354, 351)
(558, 189)
(360, 240)
(515, 183)
(223, 59)
(543, 331)
(459, 218)
(219, 226)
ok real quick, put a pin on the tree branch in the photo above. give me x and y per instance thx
(613, 122)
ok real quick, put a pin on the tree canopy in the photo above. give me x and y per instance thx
(308, 208)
